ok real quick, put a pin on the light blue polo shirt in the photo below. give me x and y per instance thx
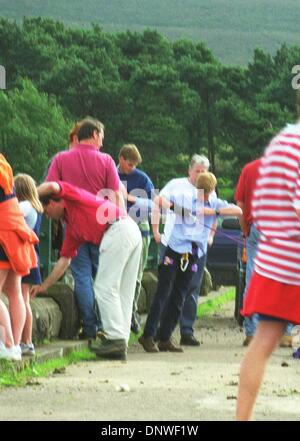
(193, 228)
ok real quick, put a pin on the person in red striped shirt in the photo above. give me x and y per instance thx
(274, 290)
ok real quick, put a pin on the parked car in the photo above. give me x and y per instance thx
(226, 260)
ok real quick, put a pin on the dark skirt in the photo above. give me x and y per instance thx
(33, 278)
(3, 257)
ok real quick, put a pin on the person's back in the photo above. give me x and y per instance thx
(274, 203)
(86, 167)
(274, 289)
(243, 196)
(244, 191)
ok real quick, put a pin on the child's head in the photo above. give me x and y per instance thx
(26, 191)
(129, 158)
(206, 182)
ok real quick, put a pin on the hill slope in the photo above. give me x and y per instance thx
(231, 29)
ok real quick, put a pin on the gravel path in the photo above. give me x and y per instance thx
(200, 384)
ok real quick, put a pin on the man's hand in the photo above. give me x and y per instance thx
(157, 237)
(58, 270)
(35, 290)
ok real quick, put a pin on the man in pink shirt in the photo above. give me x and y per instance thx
(85, 166)
(96, 220)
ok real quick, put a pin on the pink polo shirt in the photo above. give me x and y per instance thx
(86, 167)
(87, 217)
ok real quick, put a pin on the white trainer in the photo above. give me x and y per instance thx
(14, 353)
(3, 351)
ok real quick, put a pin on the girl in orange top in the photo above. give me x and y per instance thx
(17, 257)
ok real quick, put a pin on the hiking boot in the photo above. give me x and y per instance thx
(148, 344)
(112, 349)
(247, 340)
(189, 340)
(168, 346)
(286, 341)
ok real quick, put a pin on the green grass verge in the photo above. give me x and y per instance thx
(213, 305)
(12, 375)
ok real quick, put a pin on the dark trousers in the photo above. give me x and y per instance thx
(170, 294)
(190, 307)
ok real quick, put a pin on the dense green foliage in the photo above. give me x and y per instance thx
(231, 29)
(170, 99)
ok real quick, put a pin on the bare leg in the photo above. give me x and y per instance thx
(17, 310)
(5, 325)
(265, 340)
(27, 331)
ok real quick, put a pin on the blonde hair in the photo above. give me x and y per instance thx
(130, 152)
(207, 182)
(26, 191)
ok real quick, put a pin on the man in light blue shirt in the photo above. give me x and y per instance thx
(187, 243)
(187, 187)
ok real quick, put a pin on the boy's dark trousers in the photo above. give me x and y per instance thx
(170, 294)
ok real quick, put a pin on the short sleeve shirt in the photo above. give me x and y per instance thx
(87, 217)
(86, 167)
(276, 198)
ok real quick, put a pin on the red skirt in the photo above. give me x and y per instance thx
(269, 297)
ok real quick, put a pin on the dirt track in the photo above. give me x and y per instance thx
(200, 384)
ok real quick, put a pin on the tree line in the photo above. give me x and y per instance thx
(171, 99)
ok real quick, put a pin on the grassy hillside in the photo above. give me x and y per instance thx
(231, 28)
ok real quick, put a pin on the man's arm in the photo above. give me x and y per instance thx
(155, 220)
(231, 210)
(243, 223)
(212, 233)
(58, 270)
(48, 188)
(158, 203)
(119, 200)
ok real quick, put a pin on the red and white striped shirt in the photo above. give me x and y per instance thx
(276, 198)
